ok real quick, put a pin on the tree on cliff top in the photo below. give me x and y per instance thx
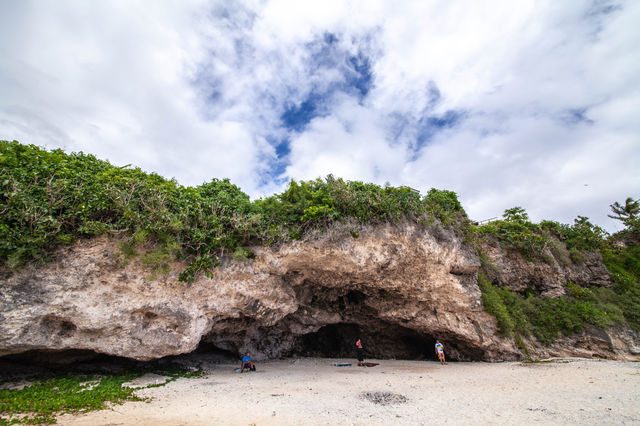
(628, 214)
(516, 214)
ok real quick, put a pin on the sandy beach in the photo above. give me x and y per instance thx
(311, 391)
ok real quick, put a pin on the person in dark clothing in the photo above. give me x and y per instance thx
(359, 352)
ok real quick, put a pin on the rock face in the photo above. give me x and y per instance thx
(398, 288)
(546, 278)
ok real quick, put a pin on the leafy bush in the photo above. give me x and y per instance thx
(325, 200)
(515, 232)
(488, 269)
(516, 215)
(443, 204)
(584, 235)
(547, 318)
(494, 304)
(49, 198)
(52, 198)
(242, 254)
(628, 213)
(624, 266)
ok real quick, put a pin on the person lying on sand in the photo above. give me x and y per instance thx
(247, 363)
(440, 352)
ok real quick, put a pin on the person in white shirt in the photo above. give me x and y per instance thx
(440, 352)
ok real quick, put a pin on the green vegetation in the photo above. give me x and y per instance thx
(628, 213)
(624, 266)
(516, 232)
(50, 198)
(547, 318)
(48, 397)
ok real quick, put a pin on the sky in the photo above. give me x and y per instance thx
(507, 103)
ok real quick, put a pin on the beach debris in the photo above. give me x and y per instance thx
(383, 398)
(342, 364)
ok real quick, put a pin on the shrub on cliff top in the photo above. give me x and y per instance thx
(516, 232)
(52, 198)
(49, 198)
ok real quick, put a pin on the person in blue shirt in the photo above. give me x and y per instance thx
(247, 363)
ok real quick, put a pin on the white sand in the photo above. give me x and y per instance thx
(312, 391)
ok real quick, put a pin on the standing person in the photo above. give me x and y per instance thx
(440, 352)
(359, 352)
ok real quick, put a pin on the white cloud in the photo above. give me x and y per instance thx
(350, 143)
(114, 79)
(548, 93)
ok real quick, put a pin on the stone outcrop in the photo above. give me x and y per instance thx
(398, 288)
(545, 278)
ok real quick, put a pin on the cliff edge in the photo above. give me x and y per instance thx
(397, 287)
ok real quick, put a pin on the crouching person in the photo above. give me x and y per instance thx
(247, 363)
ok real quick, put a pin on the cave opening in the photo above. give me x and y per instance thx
(216, 352)
(380, 340)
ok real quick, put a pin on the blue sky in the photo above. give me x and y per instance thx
(530, 103)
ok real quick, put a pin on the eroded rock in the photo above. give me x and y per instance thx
(396, 287)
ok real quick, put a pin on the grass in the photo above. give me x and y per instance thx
(48, 397)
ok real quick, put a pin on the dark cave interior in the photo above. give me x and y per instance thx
(358, 319)
(379, 341)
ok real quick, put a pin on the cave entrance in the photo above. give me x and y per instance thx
(217, 352)
(383, 341)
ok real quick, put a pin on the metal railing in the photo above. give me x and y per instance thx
(485, 221)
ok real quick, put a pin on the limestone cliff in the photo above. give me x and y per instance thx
(396, 287)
